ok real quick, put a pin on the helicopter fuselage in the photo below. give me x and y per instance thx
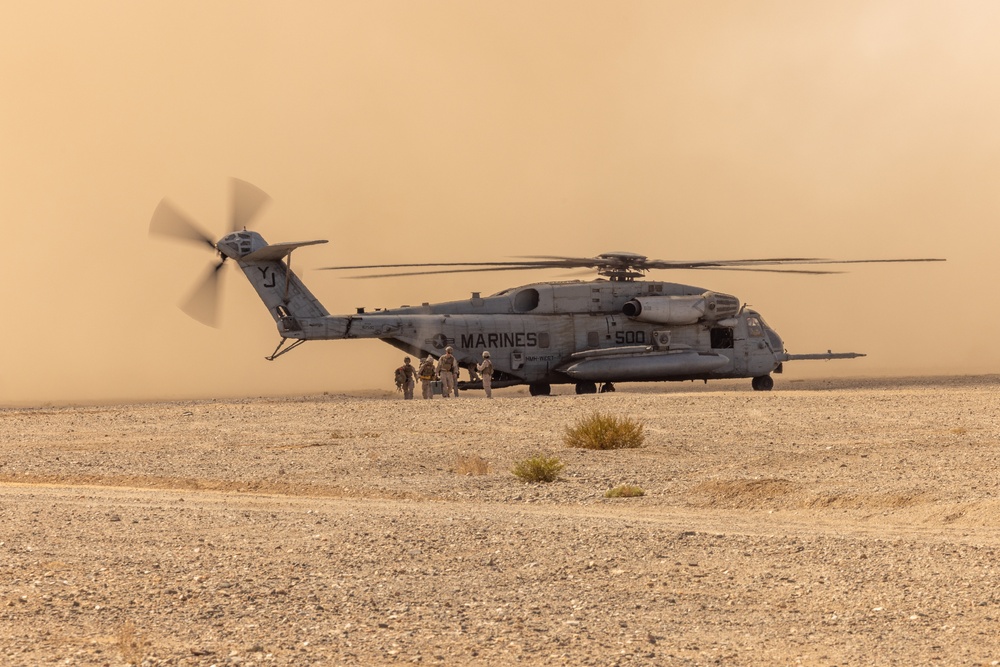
(597, 331)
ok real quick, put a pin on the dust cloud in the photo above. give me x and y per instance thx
(451, 131)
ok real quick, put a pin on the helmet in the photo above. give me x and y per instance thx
(486, 354)
(449, 349)
(406, 360)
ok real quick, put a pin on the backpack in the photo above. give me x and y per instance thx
(400, 378)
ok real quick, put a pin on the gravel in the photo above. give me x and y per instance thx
(848, 522)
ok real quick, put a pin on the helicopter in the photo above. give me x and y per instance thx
(619, 327)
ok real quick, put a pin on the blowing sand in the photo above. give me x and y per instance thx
(824, 523)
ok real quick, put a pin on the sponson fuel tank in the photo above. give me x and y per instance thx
(709, 306)
(645, 367)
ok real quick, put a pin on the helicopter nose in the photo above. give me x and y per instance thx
(774, 341)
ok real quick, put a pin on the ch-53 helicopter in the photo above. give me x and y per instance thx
(619, 327)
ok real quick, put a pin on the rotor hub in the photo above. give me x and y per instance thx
(621, 266)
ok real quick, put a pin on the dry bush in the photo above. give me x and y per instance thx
(625, 491)
(131, 645)
(538, 469)
(605, 431)
(471, 465)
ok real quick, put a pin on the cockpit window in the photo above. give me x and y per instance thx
(754, 328)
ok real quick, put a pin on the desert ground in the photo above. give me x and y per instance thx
(829, 522)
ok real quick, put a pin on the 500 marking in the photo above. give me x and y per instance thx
(630, 338)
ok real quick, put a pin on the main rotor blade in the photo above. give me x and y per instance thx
(248, 199)
(872, 261)
(694, 264)
(647, 264)
(762, 265)
(612, 258)
(561, 258)
(784, 261)
(523, 267)
(203, 303)
(407, 266)
(168, 220)
(815, 272)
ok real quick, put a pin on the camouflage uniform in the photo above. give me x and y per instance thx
(446, 370)
(426, 374)
(486, 368)
(411, 378)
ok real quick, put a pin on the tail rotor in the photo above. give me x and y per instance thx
(169, 221)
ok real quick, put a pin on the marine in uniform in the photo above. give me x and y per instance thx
(410, 380)
(426, 374)
(447, 369)
(486, 368)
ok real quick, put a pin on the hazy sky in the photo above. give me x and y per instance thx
(470, 131)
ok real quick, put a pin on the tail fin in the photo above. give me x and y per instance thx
(286, 297)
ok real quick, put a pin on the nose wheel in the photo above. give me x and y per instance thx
(762, 383)
(586, 388)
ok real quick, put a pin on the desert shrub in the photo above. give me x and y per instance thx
(131, 645)
(538, 469)
(625, 491)
(605, 431)
(471, 465)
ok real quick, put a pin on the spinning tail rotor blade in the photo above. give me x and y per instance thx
(168, 220)
(203, 303)
(247, 201)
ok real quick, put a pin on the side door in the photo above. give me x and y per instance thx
(731, 341)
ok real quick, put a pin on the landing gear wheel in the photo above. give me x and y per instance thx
(539, 389)
(762, 383)
(586, 388)
(607, 386)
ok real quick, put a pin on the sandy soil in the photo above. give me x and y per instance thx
(849, 522)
